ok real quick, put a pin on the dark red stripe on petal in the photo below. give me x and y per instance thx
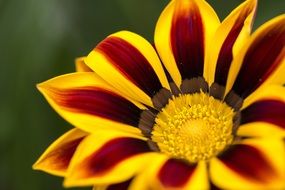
(248, 162)
(98, 102)
(111, 154)
(175, 173)
(214, 187)
(131, 63)
(120, 186)
(226, 53)
(271, 111)
(187, 41)
(262, 58)
(61, 156)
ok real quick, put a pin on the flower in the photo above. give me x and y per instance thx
(202, 108)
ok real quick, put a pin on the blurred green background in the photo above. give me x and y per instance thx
(40, 39)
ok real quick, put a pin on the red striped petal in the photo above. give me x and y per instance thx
(81, 66)
(131, 63)
(263, 57)
(56, 159)
(248, 162)
(98, 102)
(63, 155)
(214, 187)
(225, 56)
(111, 154)
(270, 111)
(175, 173)
(187, 41)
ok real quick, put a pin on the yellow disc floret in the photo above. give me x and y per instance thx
(193, 127)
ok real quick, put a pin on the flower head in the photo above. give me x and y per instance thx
(203, 108)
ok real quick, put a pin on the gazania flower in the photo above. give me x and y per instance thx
(203, 108)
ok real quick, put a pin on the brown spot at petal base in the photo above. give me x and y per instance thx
(161, 98)
(248, 162)
(147, 120)
(153, 146)
(234, 100)
(174, 89)
(217, 91)
(194, 85)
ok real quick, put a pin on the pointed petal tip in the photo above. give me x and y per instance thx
(38, 167)
(35, 166)
(43, 87)
(67, 183)
(40, 86)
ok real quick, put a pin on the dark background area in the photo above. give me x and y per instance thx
(40, 39)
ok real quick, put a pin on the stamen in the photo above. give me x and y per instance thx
(193, 127)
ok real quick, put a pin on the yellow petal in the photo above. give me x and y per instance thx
(124, 59)
(80, 65)
(107, 157)
(261, 129)
(275, 92)
(166, 173)
(261, 61)
(264, 115)
(146, 179)
(55, 160)
(182, 33)
(229, 38)
(252, 164)
(89, 103)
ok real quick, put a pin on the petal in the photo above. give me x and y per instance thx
(253, 164)
(275, 92)
(261, 129)
(264, 117)
(261, 61)
(107, 157)
(169, 173)
(80, 65)
(181, 35)
(130, 64)
(145, 178)
(177, 174)
(55, 160)
(86, 101)
(233, 32)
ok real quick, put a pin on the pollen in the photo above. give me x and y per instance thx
(193, 127)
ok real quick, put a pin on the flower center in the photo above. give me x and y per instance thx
(193, 127)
